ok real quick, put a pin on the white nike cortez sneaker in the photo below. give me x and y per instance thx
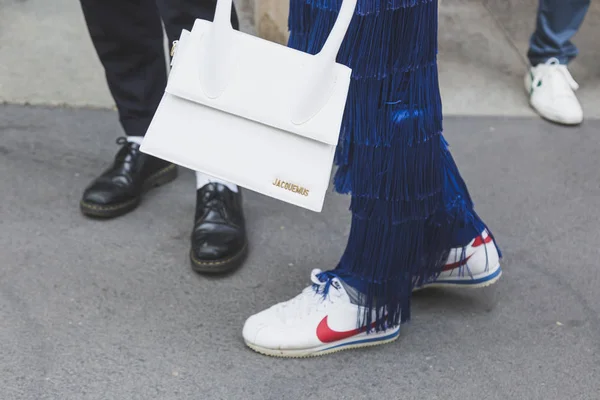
(551, 90)
(475, 266)
(312, 324)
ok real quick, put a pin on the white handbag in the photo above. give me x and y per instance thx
(253, 112)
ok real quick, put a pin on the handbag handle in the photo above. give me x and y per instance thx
(223, 13)
(334, 42)
(332, 46)
(319, 80)
(312, 95)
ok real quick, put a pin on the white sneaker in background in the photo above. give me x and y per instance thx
(551, 90)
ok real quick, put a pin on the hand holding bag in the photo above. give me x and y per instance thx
(253, 112)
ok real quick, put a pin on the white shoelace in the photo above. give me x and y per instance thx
(307, 301)
(553, 67)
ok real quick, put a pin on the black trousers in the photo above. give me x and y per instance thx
(128, 37)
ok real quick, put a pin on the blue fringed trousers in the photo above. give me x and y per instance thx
(409, 204)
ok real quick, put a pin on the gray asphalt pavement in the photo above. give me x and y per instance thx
(111, 310)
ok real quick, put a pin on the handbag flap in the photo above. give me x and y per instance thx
(262, 81)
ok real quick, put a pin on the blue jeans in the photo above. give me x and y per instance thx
(557, 22)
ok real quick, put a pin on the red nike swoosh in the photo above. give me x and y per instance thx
(457, 264)
(479, 241)
(328, 335)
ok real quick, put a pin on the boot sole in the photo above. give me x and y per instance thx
(162, 177)
(357, 342)
(219, 266)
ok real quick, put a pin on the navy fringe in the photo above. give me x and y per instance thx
(408, 199)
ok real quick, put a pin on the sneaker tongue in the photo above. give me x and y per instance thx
(329, 281)
(353, 294)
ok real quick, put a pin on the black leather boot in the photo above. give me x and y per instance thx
(219, 242)
(120, 188)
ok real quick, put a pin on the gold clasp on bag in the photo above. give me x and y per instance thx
(174, 47)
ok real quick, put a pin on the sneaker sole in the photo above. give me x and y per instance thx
(356, 342)
(162, 177)
(557, 121)
(478, 281)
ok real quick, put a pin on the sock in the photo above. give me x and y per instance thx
(203, 180)
(135, 139)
